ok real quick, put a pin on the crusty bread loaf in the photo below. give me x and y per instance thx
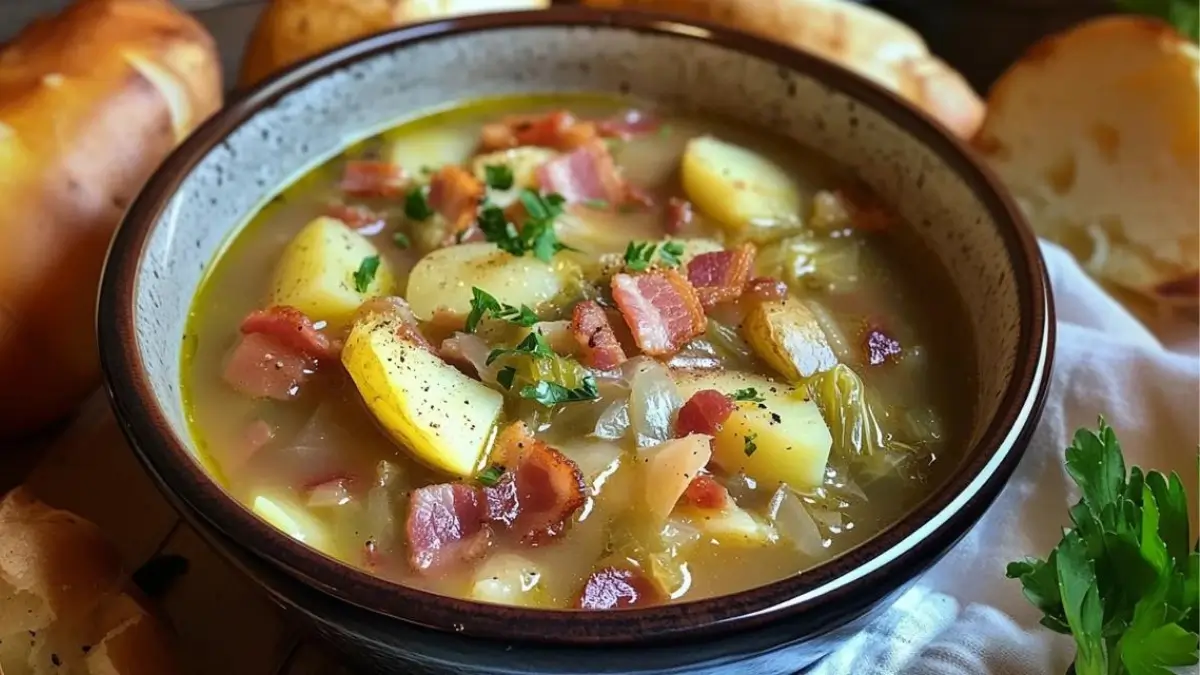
(291, 30)
(91, 101)
(1097, 132)
(860, 38)
(64, 608)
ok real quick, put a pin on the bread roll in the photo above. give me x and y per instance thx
(291, 30)
(63, 610)
(859, 38)
(91, 101)
(1095, 130)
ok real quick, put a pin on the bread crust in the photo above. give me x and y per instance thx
(288, 31)
(91, 101)
(1096, 130)
(857, 37)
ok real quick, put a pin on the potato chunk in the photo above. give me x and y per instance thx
(788, 336)
(316, 273)
(443, 279)
(444, 418)
(738, 188)
(783, 439)
(731, 526)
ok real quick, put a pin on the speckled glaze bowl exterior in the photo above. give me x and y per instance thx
(208, 189)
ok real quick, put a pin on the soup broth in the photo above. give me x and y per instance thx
(570, 352)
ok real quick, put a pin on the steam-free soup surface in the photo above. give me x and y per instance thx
(573, 352)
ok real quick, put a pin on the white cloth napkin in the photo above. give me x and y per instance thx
(964, 617)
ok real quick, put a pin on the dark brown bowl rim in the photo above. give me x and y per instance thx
(186, 484)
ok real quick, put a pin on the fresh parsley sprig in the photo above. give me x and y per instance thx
(551, 394)
(365, 273)
(545, 392)
(535, 236)
(640, 254)
(498, 176)
(749, 394)
(484, 304)
(534, 345)
(1124, 581)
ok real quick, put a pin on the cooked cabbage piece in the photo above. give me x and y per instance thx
(788, 336)
(832, 264)
(845, 405)
(328, 270)
(740, 189)
(442, 417)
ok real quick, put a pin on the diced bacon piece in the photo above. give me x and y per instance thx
(628, 124)
(598, 343)
(397, 309)
(679, 215)
(261, 366)
(370, 178)
(445, 525)
(557, 129)
(615, 588)
(879, 347)
(636, 195)
(547, 488)
(661, 309)
(455, 193)
(585, 174)
(705, 492)
(703, 413)
(501, 500)
(359, 218)
(291, 328)
(766, 288)
(864, 209)
(721, 276)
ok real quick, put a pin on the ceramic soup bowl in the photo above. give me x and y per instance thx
(208, 189)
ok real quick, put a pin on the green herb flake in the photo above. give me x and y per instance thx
(749, 447)
(506, 376)
(366, 273)
(484, 304)
(749, 394)
(498, 176)
(416, 206)
(536, 236)
(534, 345)
(670, 252)
(597, 204)
(638, 255)
(551, 394)
(491, 475)
(1123, 580)
(401, 240)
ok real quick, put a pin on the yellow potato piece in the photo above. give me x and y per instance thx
(444, 418)
(790, 439)
(788, 336)
(443, 279)
(731, 526)
(316, 272)
(738, 188)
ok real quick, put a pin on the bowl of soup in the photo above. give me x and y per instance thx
(576, 341)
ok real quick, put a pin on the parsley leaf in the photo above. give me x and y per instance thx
(416, 206)
(1123, 582)
(483, 304)
(401, 240)
(491, 475)
(1184, 15)
(750, 447)
(366, 273)
(639, 254)
(670, 253)
(496, 229)
(506, 376)
(534, 345)
(498, 176)
(749, 394)
(551, 393)
(536, 235)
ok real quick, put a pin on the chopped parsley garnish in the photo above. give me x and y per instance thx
(401, 240)
(598, 204)
(1123, 582)
(491, 475)
(498, 176)
(534, 345)
(366, 273)
(749, 394)
(551, 393)
(484, 304)
(639, 254)
(416, 206)
(506, 376)
(536, 235)
(749, 447)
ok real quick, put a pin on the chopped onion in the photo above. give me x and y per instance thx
(794, 523)
(699, 354)
(654, 401)
(331, 493)
(833, 333)
(614, 421)
(474, 350)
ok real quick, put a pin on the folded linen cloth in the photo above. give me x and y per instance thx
(964, 617)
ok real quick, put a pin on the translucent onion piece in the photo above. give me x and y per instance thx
(331, 493)
(475, 350)
(794, 523)
(614, 421)
(654, 401)
(833, 333)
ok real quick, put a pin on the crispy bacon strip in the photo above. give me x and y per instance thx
(262, 366)
(557, 129)
(359, 218)
(617, 587)
(661, 309)
(585, 174)
(703, 413)
(628, 124)
(541, 488)
(455, 193)
(721, 276)
(598, 344)
(290, 328)
(766, 288)
(445, 525)
(370, 178)
(705, 492)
